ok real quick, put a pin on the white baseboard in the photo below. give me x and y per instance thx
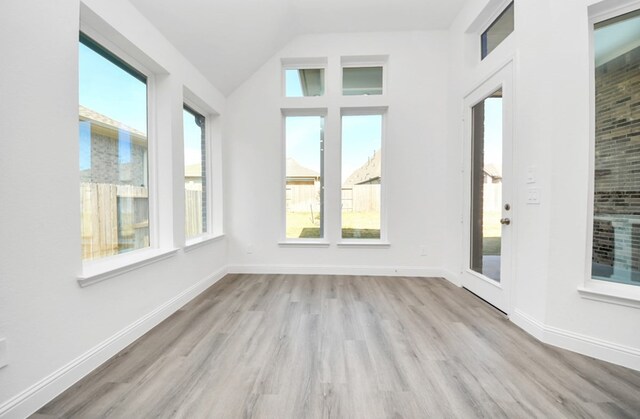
(344, 270)
(36, 396)
(586, 345)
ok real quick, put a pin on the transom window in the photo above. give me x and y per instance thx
(498, 31)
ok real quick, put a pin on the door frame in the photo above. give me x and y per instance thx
(498, 294)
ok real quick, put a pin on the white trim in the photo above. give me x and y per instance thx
(304, 243)
(201, 241)
(101, 269)
(610, 292)
(37, 395)
(416, 271)
(363, 243)
(598, 348)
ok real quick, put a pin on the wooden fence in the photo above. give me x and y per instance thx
(193, 210)
(361, 198)
(114, 218)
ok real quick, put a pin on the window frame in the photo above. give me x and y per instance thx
(191, 107)
(284, 240)
(383, 241)
(591, 288)
(96, 270)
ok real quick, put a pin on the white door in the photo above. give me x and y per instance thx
(489, 212)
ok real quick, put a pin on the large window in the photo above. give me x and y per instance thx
(113, 153)
(195, 173)
(361, 176)
(498, 31)
(304, 138)
(616, 212)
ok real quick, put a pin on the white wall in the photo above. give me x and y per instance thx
(550, 50)
(416, 137)
(48, 320)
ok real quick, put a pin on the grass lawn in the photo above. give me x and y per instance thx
(354, 225)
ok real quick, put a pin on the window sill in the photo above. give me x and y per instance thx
(96, 271)
(606, 292)
(364, 243)
(304, 243)
(201, 241)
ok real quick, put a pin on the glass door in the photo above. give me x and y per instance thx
(488, 208)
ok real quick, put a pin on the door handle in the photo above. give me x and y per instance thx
(505, 221)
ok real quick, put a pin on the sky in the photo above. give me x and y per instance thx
(111, 91)
(493, 132)
(361, 136)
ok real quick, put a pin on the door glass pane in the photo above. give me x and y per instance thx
(304, 143)
(361, 176)
(486, 187)
(616, 212)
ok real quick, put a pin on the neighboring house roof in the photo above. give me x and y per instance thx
(87, 114)
(193, 170)
(369, 171)
(295, 170)
(493, 171)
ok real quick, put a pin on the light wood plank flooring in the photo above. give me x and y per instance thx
(292, 346)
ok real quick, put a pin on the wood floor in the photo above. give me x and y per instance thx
(291, 346)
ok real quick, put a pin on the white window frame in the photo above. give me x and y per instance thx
(595, 289)
(383, 241)
(363, 61)
(93, 271)
(284, 241)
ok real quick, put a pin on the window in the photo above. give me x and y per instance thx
(361, 81)
(301, 82)
(497, 31)
(304, 144)
(616, 211)
(361, 176)
(195, 173)
(113, 153)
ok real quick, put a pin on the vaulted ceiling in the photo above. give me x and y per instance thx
(229, 39)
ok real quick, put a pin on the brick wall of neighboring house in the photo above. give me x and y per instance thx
(617, 148)
(105, 165)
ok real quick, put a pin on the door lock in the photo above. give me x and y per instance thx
(505, 221)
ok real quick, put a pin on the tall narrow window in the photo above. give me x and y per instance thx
(113, 153)
(616, 212)
(361, 176)
(195, 176)
(497, 31)
(304, 180)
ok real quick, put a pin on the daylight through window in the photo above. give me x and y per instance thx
(113, 153)
(195, 179)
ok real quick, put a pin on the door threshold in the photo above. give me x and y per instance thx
(477, 296)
